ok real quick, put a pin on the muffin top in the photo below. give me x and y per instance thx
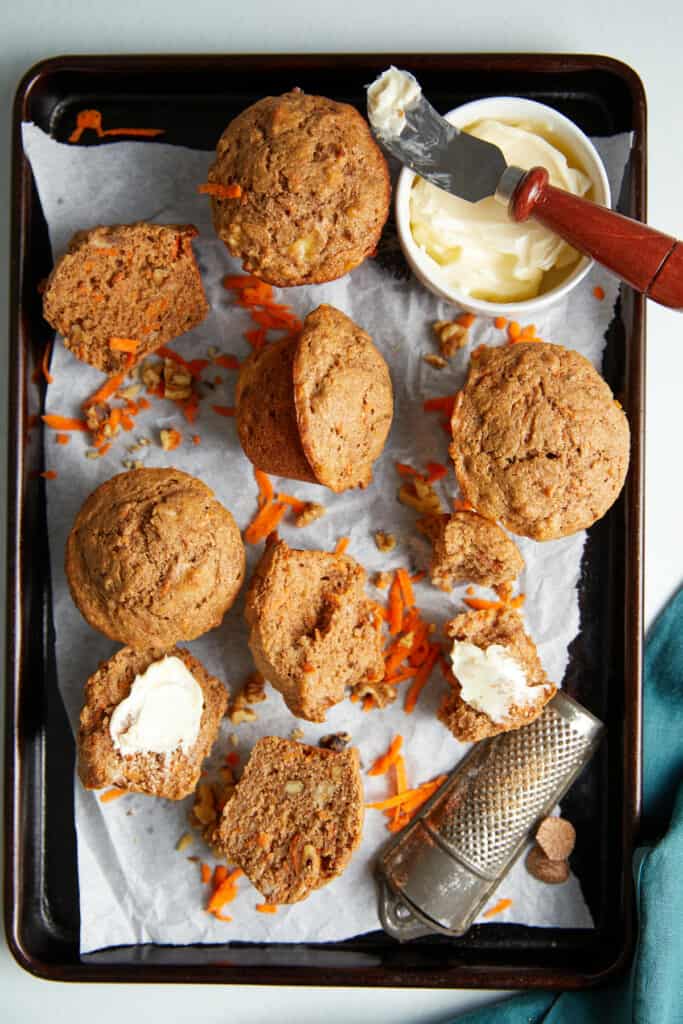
(539, 442)
(314, 186)
(343, 397)
(125, 283)
(154, 558)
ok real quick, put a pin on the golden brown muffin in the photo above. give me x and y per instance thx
(266, 417)
(469, 548)
(502, 626)
(154, 558)
(315, 189)
(101, 764)
(343, 398)
(318, 407)
(295, 818)
(311, 627)
(538, 440)
(134, 281)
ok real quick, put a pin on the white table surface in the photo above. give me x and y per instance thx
(647, 36)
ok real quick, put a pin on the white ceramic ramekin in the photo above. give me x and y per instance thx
(512, 110)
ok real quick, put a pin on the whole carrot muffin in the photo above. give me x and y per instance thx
(539, 442)
(295, 818)
(314, 186)
(123, 291)
(312, 630)
(498, 680)
(470, 549)
(317, 407)
(149, 719)
(154, 558)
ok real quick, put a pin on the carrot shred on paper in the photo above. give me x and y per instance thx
(224, 410)
(421, 680)
(384, 762)
(211, 188)
(265, 521)
(64, 422)
(111, 794)
(497, 908)
(341, 545)
(266, 908)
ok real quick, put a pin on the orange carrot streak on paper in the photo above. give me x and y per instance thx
(93, 119)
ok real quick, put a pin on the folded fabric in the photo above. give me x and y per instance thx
(652, 993)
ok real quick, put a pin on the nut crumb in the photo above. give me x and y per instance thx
(452, 336)
(385, 541)
(438, 362)
(382, 580)
(309, 514)
(254, 688)
(170, 439)
(132, 391)
(336, 741)
(296, 734)
(421, 496)
(184, 841)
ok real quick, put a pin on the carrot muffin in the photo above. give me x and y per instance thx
(499, 682)
(314, 186)
(538, 440)
(312, 632)
(148, 721)
(469, 548)
(295, 818)
(127, 283)
(154, 558)
(317, 407)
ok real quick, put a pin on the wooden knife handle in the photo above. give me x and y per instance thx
(648, 260)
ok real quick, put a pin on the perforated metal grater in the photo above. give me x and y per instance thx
(437, 874)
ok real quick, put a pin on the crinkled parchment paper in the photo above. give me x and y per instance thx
(134, 886)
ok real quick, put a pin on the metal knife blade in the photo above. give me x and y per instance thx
(448, 158)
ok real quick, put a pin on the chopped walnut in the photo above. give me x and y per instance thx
(296, 734)
(438, 362)
(381, 692)
(385, 541)
(132, 391)
(309, 514)
(452, 336)
(184, 841)
(96, 415)
(254, 688)
(150, 372)
(336, 741)
(177, 381)
(252, 692)
(421, 496)
(382, 580)
(170, 439)
(204, 811)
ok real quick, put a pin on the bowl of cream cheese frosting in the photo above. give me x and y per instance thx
(473, 254)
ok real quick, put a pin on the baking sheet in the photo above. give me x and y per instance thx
(134, 886)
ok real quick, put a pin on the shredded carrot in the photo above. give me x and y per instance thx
(341, 545)
(465, 319)
(528, 333)
(482, 604)
(461, 505)
(220, 191)
(266, 908)
(143, 403)
(368, 702)
(49, 474)
(103, 449)
(196, 439)
(233, 758)
(599, 292)
(256, 339)
(111, 794)
(395, 607)
(220, 873)
(406, 587)
(498, 908)
(421, 679)
(436, 471)
(400, 677)
(295, 503)
(220, 916)
(206, 873)
(444, 404)
(408, 796)
(236, 282)
(224, 892)
(228, 362)
(500, 322)
(173, 438)
(263, 840)
(224, 410)
(265, 521)
(109, 387)
(124, 344)
(64, 422)
(384, 762)
(190, 408)
(45, 362)
(265, 487)
(62, 438)
(93, 119)
(416, 577)
(405, 470)
(514, 330)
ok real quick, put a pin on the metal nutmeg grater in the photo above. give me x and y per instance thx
(437, 874)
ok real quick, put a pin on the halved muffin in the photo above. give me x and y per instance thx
(470, 549)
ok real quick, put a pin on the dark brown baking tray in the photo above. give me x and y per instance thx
(192, 98)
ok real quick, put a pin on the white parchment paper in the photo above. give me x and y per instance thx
(134, 886)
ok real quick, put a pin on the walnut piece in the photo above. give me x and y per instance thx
(336, 741)
(438, 362)
(309, 514)
(421, 496)
(382, 580)
(385, 541)
(452, 336)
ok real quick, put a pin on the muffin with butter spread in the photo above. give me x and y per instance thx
(313, 189)
(149, 719)
(539, 442)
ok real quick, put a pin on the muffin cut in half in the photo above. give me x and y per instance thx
(498, 680)
(312, 631)
(470, 549)
(539, 442)
(294, 819)
(103, 761)
(154, 558)
(132, 285)
(318, 407)
(314, 189)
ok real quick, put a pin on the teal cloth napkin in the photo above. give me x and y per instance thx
(653, 991)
